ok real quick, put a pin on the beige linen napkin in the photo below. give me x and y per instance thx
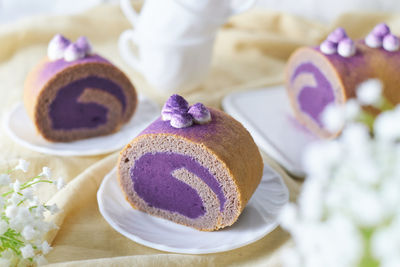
(250, 52)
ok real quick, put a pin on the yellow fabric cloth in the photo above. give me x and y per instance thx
(250, 52)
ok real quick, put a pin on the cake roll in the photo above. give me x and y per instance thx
(75, 94)
(195, 166)
(331, 73)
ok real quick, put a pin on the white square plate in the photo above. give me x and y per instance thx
(267, 115)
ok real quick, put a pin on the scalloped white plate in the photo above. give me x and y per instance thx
(20, 128)
(257, 220)
(267, 114)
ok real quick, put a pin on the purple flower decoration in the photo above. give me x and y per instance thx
(337, 35)
(174, 104)
(346, 48)
(338, 42)
(380, 36)
(181, 120)
(200, 113)
(391, 43)
(176, 110)
(57, 46)
(60, 47)
(84, 44)
(73, 52)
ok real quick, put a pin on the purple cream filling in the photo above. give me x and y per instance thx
(313, 100)
(67, 113)
(154, 183)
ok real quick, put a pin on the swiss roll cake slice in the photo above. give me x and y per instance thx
(76, 94)
(194, 166)
(331, 73)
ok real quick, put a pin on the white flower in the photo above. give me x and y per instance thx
(28, 193)
(5, 179)
(16, 186)
(27, 251)
(15, 199)
(386, 126)
(60, 183)
(46, 248)
(46, 172)
(333, 118)
(53, 209)
(11, 211)
(370, 92)
(352, 110)
(23, 165)
(3, 227)
(40, 260)
(5, 262)
(29, 233)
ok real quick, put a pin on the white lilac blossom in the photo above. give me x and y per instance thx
(23, 165)
(370, 92)
(23, 223)
(348, 210)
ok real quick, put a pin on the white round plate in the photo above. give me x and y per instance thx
(258, 219)
(267, 114)
(21, 129)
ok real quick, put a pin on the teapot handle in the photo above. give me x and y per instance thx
(124, 41)
(129, 12)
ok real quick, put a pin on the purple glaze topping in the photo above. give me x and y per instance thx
(73, 52)
(181, 120)
(381, 30)
(313, 100)
(84, 44)
(174, 104)
(155, 184)
(200, 113)
(57, 46)
(337, 35)
(391, 43)
(67, 113)
(346, 47)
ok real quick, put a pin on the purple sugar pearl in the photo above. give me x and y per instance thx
(381, 30)
(337, 35)
(181, 120)
(200, 113)
(174, 104)
(84, 44)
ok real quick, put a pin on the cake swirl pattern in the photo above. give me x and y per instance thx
(331, 72)
(200, 175)
(74, 94)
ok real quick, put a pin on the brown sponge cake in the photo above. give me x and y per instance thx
(71, 100)
(201, 175)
